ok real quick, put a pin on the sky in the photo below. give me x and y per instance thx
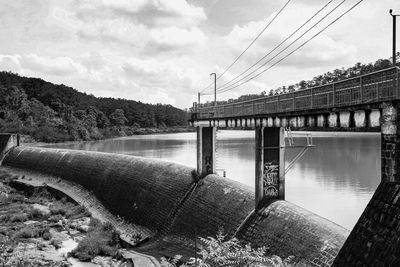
(163, 51)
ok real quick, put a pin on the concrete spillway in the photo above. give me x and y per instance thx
(170, 204)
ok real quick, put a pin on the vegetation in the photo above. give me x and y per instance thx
(102, 239)
(221, 251)
(34, 226)
(329, 77)
(51, 113)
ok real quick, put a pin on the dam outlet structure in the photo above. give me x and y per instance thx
(167, 204)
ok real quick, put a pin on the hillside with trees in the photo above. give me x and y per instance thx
(52, 113)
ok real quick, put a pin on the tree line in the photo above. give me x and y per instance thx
(51, 113)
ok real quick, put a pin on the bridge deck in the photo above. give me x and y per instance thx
(375, 87)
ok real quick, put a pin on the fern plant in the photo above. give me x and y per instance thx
(220, 251)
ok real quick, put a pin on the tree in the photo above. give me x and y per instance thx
(118, 118)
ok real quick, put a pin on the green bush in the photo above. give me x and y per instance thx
(55, 218)
(102, 239)
(219, 251)
(19, 217)
(77, 212)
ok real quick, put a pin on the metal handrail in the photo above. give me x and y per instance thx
(315, 93)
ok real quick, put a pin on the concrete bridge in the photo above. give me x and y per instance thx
(364, 103)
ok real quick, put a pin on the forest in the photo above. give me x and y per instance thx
(47, 112)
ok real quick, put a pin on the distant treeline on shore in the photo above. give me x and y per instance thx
(55, 113)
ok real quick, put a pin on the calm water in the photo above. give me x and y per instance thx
(336, 179)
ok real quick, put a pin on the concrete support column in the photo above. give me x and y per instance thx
(344, 118)
(270, 165)
(270, 122)
(277, 122)
(264, 122)
(206, 150)
(374, 118)
(311, 121)
(360, 119)
(301, 121)
(284, 122)
(321, 121)
(293, 122)
(332, 120)
(390, 141)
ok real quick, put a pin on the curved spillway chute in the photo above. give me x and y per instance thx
(173, 205)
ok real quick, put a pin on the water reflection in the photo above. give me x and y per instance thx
(335, 179)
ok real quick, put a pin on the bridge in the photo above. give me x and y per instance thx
(364, 103)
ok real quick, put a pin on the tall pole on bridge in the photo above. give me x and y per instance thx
(394, 37)
(198, 99)
(215, 88)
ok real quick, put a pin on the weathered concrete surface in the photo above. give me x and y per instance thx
(7, 141)
(332, 120)
(360, 118)
(374, 118)
(215, 203)
(390, 144)
(140, 190)
(321, 120)
(344, 118)
(169, 205)
(375, 239)
(287, 229)
(311, 121)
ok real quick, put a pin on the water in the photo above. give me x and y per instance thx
(336, 179)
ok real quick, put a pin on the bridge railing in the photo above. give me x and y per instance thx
(369, 88)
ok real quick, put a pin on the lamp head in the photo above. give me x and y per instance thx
(390, 11)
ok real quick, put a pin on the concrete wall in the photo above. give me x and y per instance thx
(165, 199)
(375, 239)
(142, 191)
(7, 141)
(288, 230)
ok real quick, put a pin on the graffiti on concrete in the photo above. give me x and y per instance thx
(271, 179)
(208, 164)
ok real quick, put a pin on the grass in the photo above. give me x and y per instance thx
(102, 239)
(32, 231)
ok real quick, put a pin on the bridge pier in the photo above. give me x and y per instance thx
(390, 141)
(206, 137)
(270, 165)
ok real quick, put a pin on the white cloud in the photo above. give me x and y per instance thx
(163, 50)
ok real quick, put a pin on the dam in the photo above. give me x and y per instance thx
(167, 203)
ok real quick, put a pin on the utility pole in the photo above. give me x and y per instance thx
(215, 88)
(394, 37)
(198, 102)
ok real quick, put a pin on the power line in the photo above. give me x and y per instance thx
(252, 42)
(276, 47)
(255, 76)
(225, 88)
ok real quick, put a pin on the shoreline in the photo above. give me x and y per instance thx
(143, 131)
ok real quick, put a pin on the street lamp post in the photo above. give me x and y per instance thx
(394, 37)
(215, 88)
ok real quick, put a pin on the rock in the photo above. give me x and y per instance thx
(42, 208)
(30, 222)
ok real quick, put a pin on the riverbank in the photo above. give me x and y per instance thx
(39, 228)
(121, 132)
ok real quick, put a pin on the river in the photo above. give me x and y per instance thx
(334, 179)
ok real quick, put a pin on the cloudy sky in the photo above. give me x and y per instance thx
(163, 51)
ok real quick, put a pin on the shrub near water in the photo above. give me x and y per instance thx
(102, 239)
